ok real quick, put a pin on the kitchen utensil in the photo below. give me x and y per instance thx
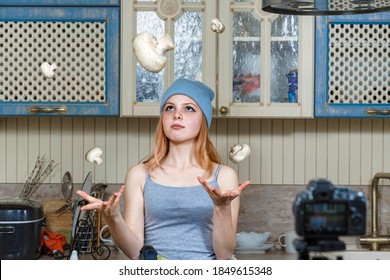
(98, 192)
(105, 231)
(86, 187)
(21, 228)
(67, 192)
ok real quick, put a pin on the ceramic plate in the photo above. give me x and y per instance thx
(255, 250)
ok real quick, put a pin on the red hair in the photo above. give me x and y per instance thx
(205, 152)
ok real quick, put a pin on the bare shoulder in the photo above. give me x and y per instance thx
(136, 175)
(139, 168)
(227, 178)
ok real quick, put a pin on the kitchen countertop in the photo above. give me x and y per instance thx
(273, 254)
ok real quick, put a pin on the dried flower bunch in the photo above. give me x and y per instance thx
(37, 176)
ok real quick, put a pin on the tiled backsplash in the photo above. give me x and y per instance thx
(263, 208)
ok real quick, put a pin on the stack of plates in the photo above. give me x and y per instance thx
(255, 250)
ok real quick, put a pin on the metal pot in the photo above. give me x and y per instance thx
(21, 228)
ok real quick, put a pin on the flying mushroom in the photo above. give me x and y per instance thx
(150, 52)
(239, 152)
(94, 154)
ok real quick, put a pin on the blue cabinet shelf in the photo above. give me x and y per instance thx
(352, 72)
(82, 43)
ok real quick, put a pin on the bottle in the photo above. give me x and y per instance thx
(74, 255)
(292, 80)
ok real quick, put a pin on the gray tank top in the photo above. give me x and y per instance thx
(179, 220)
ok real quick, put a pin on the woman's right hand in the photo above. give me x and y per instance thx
(109, 208)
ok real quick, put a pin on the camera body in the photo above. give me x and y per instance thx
(324, 212)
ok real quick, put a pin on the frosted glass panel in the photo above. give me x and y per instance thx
(149, 85)
(188, 46)
(246, 58)
(284, 59)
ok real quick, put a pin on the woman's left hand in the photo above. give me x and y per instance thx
(222, 197)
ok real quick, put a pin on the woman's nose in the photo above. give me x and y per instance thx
(177, 115)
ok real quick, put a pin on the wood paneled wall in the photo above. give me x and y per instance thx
(284, 151)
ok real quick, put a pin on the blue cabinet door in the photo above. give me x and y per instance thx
(352, 65)
(80, 44)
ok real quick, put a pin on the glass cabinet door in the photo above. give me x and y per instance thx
(193, 56)
(265, 62)
(252, 63)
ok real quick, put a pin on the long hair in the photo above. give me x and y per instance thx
(205, 152)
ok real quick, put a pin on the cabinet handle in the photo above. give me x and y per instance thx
(373, 112)
(57, 110)
(223, 110)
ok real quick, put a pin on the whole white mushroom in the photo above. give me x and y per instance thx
(48, 70)
(94, 154)
(239, 152)
(150, 52)
(217, 26)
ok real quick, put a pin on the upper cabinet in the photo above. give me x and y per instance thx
(353, 66)
(265, 62)
(259, 64)
(193, 57)
(59, 57)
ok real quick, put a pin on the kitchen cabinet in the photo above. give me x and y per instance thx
(352, 66)
(252, 65)
(59, 58)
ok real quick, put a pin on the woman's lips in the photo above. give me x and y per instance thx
(176, 126)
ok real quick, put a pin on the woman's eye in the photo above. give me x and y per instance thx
(169, 108)
(190, 109)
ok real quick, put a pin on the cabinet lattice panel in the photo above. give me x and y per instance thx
(359, 63)
(78, 49)
(337, 5)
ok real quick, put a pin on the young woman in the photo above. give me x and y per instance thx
(181, 200)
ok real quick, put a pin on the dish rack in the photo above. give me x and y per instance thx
(86, 238)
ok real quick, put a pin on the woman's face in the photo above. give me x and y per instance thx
(181, 118)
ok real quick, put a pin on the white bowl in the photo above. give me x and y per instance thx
(251, 239)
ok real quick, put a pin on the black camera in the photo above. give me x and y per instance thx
(326, 212)
(323, 213)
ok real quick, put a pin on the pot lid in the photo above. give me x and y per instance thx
(325, 7)
(20, 210)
